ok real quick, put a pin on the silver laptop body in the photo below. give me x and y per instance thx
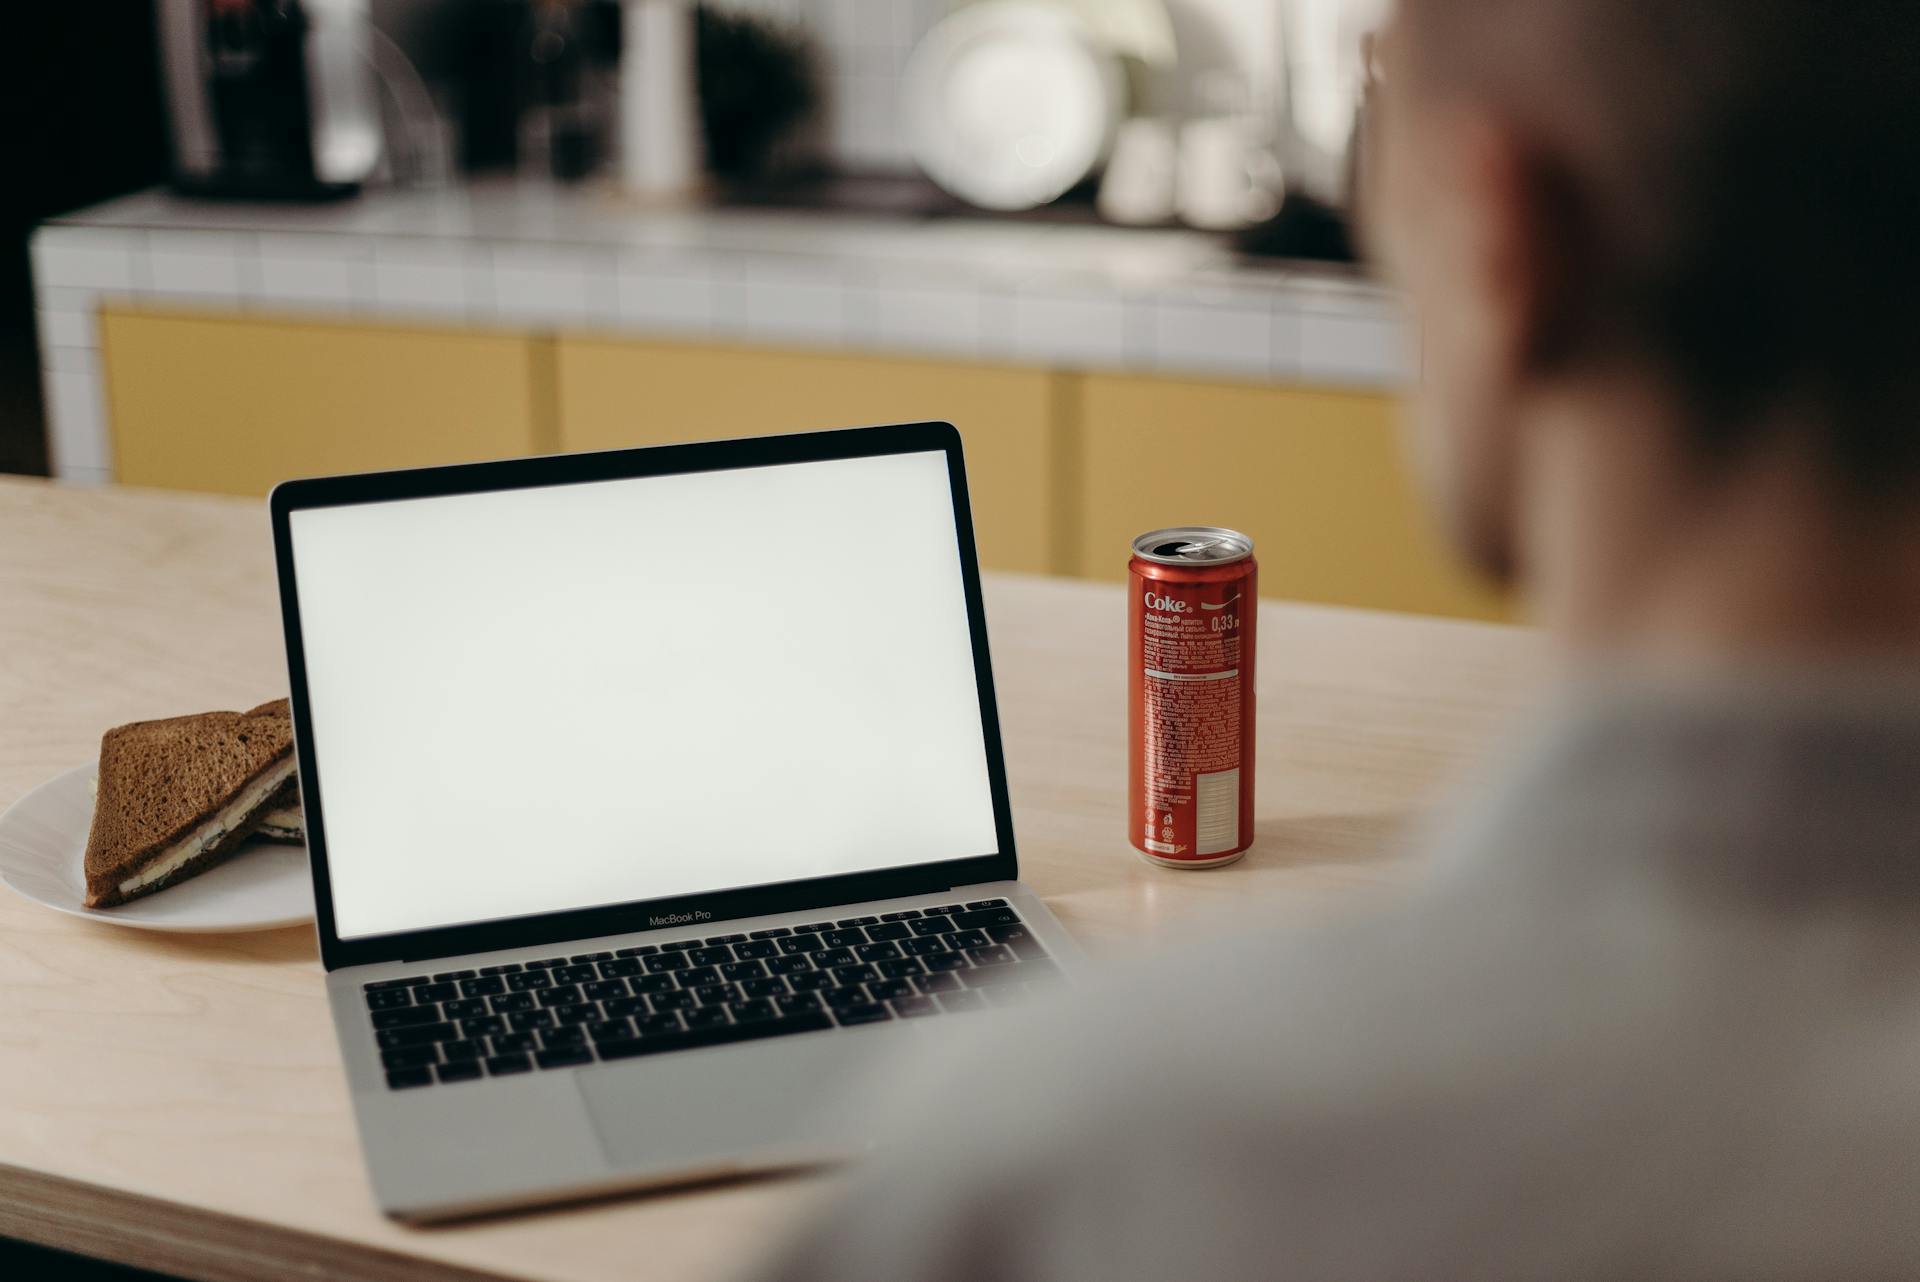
(652, 797)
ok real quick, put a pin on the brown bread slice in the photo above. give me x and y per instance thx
(165, 785)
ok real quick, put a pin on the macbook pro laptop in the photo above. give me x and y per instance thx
(650, 796)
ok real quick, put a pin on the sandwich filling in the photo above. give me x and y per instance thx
(234, 814)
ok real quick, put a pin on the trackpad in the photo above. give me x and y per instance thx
(790, 1099)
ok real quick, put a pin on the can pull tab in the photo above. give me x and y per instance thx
(1191, 549)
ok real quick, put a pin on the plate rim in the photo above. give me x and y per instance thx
(107, 917)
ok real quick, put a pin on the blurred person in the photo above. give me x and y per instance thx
(1654, 1011)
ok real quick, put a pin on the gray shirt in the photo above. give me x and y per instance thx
(1654, 1013)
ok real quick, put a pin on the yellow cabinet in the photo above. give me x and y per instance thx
(615, 392)
(1316, 478)
(237, 404)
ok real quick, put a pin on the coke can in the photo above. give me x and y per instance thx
(1190, 695)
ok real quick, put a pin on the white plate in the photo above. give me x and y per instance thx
(43, 844)
(1009, 103)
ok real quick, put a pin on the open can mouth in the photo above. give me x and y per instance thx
(1193, 545)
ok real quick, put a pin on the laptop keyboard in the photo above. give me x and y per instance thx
(567, 1012)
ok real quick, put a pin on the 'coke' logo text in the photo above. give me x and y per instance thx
(1168, 604)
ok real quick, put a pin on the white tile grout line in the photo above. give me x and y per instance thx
(1358, 341)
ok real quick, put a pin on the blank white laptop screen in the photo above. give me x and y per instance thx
(544, 699)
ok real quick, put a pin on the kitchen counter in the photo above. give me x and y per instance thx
(590, 260)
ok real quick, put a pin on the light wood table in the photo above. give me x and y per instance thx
(175, 1101)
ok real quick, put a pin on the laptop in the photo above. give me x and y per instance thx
(652, 797)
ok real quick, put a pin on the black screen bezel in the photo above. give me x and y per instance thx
(612, 465)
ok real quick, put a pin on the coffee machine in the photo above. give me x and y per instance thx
(269, 99)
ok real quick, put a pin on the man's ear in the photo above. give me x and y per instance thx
(1531, 254)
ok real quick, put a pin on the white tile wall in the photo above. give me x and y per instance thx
(332, 273)
(554, 285)
(426, 278)
(218, 266)
(1076, 329)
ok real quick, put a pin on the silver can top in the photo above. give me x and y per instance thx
(1193, 545)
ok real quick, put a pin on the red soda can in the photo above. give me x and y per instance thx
(1190, 654)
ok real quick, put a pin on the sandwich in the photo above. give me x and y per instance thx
(177, 797)
(282, 820)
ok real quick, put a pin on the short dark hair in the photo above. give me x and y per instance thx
(1748, 174)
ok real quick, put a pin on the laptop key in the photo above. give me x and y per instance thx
(899, 967)
(662, 962)
(714, 994)
(389, 999)
(574, 974)
(563, 1057)
(435, 992)
(484, 1026)
(485, 986)
(754, 969)
(945, 961)
(968, 939)
(982, 918)
(811, 981)
(775, 932)
(529, 980)
(567, 995)
(991, 955)
(797, 1003)
(808, 943)
(708, 1017)
(638, 950)
(1019, 939)
(988, 903)
(401, 1079)
(858, 973)
(946, 910)
(877, 952)
(446, 975)
(931, 925)
(844, 938)
(794, 964)
(866, 1013)
(828, 958)
(717, 940)
(699, 976)
(912, 1007)
(906, 914)
(410, 1057)
(601, 990)
(961, 1001)
(403, 1018)
(889, 930)
(506, 1065)
(656, 1025)
(505, 968)
(546, 963)
(851, 995)
(620, 967)
(607, 1030)
(583, 1013)
(884, 989)
(936, 983)
(755, 948)
(380, 985)
(526, 1020)
(770, 987)
(621, 1007)
(461, 1050)
(757, 1008)
(513, 1043)
(679, 999)
(465, 1008)
(719, 1035)
(567, 1036)
(711, 956)
(856, 921)
(508, 1003)
(922, 947)
(680, 946)
(583, 958)
(415, 1035)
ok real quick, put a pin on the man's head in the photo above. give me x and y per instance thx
(1717, 200)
